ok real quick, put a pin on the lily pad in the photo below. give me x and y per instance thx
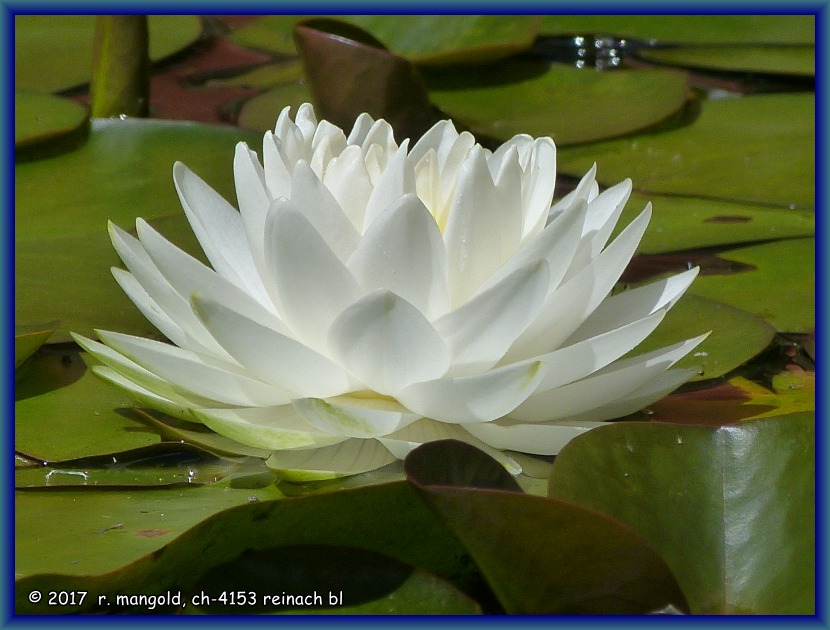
(755, 149)
(332, 580)
(108, 542)
(40, 119)
(92, 531)
(689, 29)
(780, 288)
(792, 392)
(258, 112)
(27, 339)
(62, 411)
(736, 335)
(557, 100)
(163, 464)
(427, 39)
(540, 556)
(686, 223)
(793, 60)
(53, 53)
(62, 249)
(731, 509)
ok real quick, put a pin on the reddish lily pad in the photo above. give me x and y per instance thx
(540, 556)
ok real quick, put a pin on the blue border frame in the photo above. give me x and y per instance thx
(818, 8)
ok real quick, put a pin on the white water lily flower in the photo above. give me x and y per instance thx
(367, 298)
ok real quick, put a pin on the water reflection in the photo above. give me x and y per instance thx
(602, 52)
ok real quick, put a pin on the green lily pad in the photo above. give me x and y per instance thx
(53, 53)
(427, 39)
(781, 288)
(62, 249)
(685, 223)
(40, 119)
(110, 542)
(27, 339)
(265, 76)
(689, 29)
(332, 580)
(163, 464)
(794, 60)
(258, 113)
(540, 556)
(731, 509)
(755, 149)
(91, 531)
(62, 411)
(736, 335)
(557, 100)
(792, 392)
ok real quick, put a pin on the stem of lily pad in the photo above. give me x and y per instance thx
(120, 67)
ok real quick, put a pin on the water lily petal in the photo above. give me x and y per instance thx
(537, 438)
(144, 271)
(387, 343)
(640, 398)
(633, 304)
(270, 355)
(279, 427)
(583, 191)
(396, 180)
(480, 332)
(150, 308)
(277, 173)
(479, 398)
(481, 232)
(573, 362)
(188, 275)
(192, 373)
(538, 185)
(219, 229)
(142, 381)
(322, 211)
(355, 417)
(403, 251)
(252, 197)
(566, 308)
(351, 457)
(556, 243)
(602, 216)
(402, 442)
(602, 387)
(312, 284)
(349, 182)
(176, 407)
